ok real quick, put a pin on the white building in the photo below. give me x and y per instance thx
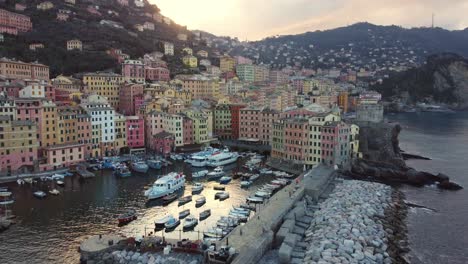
(168, 48)
(34, 90)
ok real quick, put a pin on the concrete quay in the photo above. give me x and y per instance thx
(272, 225)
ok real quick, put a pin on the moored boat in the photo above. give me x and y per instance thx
(159, 224)
(40, 194)
(154, 164)
(197, 188)
(254, 199)
(127, 217)
(223, 158)
(200, 201)
(219, 188)
(254, 177)
(205, 214)
(190, 222)
(169, 198)
(222, 195)
(172, 223)
(199, 174)
(184, 213)
(185, 199)
(167, 184)
(122, 172)
(54, 192)
(140, 166)
(225, 179)
(245, 184)
(60, 183)
(216, 173)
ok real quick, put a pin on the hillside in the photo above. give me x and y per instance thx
(443, 79)
(362, 45)
(96, 37)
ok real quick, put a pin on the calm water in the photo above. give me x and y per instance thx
(440, 236)
(50, 230)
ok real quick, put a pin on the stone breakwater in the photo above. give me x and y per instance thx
(130, 257)
(350, 226)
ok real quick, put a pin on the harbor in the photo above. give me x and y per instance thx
(84, 208)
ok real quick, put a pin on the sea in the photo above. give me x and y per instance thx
(50, 230)
(439, 232)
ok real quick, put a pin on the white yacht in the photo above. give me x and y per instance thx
(200, 159)
(223, 158)
(168, 184)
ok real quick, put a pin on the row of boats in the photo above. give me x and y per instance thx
(226, 224)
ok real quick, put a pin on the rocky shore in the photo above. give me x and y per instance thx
(360, 222)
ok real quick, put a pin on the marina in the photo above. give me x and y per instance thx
(92, 207)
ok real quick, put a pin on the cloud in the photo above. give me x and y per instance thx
(256, 19)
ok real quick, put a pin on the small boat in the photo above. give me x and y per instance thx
(197, 188)
(160, 223)
(68, 174)
(6, 202)
(5, 193)
(154, 164)
(216, 173)
(20, 182)
(245, 184)
(140, 166)
(172, 223)
(215, 233)
(222, 196)
(60, 183)
(205, 214)
(219, 187)
(199, 174)
(265, 171)
(122, 172)
(127, 217)
(58, 176)
(166, 185)
(40, 194)
(254, 177)
(190, 222)
(28, 180)
(184, 213)
(263, 194)
(240, 211)
(225, 179)
(254, 199)
(200, 201)
(184, 200)
(54, 192)
(169, 198)
(248, 207)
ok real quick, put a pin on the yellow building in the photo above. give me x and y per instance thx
(227, 64)
(201, 87)
(120, 132)
(164, 92)
(49, 135)
(200, 126)
(104, 84)
(190, 61)
(187, 51)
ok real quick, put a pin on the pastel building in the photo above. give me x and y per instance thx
(188, 131)
(18, 146)
(246, 72)
(235, 119)
(227, 64)
(128, 95)
(335, 144)
(190, 61)
(135, 131)
(7, 107)
(13, 23)
(157, 74)
(63, 155)
(153, 125)
(74, 44)
(133, 71)
(222, 121)
(163, 143)
(168, 48)
(174, 125)
(12, 69)
(120, 132)
(201, 87)
(104, 84)
(200, 126)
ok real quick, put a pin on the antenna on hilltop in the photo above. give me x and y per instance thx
(433, 16)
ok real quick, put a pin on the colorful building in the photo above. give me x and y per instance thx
(14, 21)
(157, 74)
(18, 146)
(163, 143)
(235, 119)
(190, 61)
(153, 125)
(135, 131)
(63, 156)
(74, 44)
(12, 69)
(222, 121)
(104, 84)
(120, 132)
(227, 64)
(201, 87)
(128, 94)
(133, 71)
(246, 72)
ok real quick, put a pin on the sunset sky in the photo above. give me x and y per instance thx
(256, 19)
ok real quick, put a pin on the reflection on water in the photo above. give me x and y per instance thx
(50, 230)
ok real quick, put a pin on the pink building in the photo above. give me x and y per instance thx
(256, 123)
(295, 131)
(138, 102)
(135, 131)
(30, 110)
(243, 60)
(163, 143)
(298, 84)
(277, 76)
(128, 96)
(20, 23)
(11, 89)
(153, 126)
(157, 74)
(49, 92)
(62, 156)
(133, 70)
(335, 138)
(188, 130)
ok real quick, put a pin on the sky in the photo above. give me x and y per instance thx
(257, 19)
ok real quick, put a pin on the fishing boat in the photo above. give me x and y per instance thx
(160, 223)
(169, 198)
(205, 214)
(197, 188)
(40, 194)
(199, 174)
(184, 200)
(254, 199)
(245, 184)
(184, 213)
(225, 179)
(127, 217)
(122, 172)
(167, 184)
(222, 195)
(154, 164)
(219, 188)
(190, 222)
(216, 173)
(54, 192)
(140, 166)
(200, 201)
(172, 223)
(222, 159)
